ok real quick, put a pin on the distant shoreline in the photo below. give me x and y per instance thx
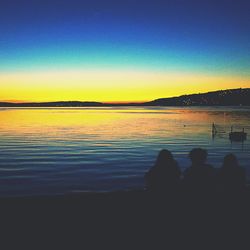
(131, 105)
(230, 97)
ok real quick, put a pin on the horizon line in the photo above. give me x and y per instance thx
(114, 102)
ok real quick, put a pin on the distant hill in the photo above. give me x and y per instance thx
(52, 104)
(230, 97)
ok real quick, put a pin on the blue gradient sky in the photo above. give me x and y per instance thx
(198, 37)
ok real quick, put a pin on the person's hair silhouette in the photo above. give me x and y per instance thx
(199, 177)
(198, 156)
(231, 177)
(164, 176)
(230, 160)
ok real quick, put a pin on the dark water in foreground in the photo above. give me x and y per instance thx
(59, 150)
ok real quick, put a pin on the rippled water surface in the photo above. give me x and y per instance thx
(60, 150)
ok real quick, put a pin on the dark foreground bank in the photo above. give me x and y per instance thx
(130, 220)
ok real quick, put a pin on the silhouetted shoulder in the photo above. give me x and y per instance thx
(204, 168)
(232, 179)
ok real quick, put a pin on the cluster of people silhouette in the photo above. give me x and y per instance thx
(200, 177)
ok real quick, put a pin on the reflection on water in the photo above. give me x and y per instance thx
(58, 150)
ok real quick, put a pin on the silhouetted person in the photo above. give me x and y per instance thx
(164, 176)
(231, 177)
(200, 176)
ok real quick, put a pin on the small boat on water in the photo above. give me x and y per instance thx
(237, 135)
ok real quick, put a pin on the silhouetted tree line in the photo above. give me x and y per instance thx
(200, 178)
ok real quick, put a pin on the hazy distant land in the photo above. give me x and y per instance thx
(229, 97)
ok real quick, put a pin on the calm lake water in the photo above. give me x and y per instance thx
(60, 150)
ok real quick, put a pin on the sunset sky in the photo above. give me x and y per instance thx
(115, 51)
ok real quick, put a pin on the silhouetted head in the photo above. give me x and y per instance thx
(164, 157)
(230, 160)
(198, 156)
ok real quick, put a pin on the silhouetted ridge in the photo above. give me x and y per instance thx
(52, 104)
(231, 97)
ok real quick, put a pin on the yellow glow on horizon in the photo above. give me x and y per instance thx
(110, 85)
